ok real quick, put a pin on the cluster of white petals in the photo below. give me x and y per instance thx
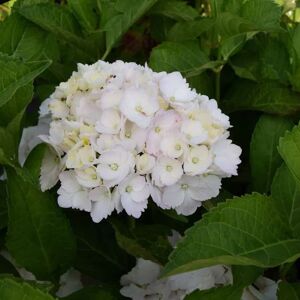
(143, 282)
(120, 132)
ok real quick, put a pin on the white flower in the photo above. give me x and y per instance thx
(139, 106)
(103, 203)
(58, 108)
(110, 99)
(134, 193)
(69, 282)
(143, 282)
(109, 121)
(71, 193)
(173, 146)
(175, 88)
(194, 131)
(197, 161)
(52, 166)
(79, 157)
(114, 166)
(226, 156)
(263, 288)
(88, 177)
(166, 171)
(188, 193)
(105, 142)
(133, 137)
(31, 138)
(144, 163)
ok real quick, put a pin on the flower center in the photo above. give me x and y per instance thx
(129, 189)
(114, 166)
(139, 108)
(169, 168)
(157, 129)
(184, 186)
(177, 147)
(195, 160)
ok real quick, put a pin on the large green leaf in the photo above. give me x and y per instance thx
(234, 17)
(264, 156)
(86, 13)
(289, 149)
(263, 58)
(95, 293)
(146, 241)
(7, 267)
(9, 141)
(16, 104)
(286, 195)
(39, 235)
(14, 290)
(225, 293)
(243, 231)
(129, 12)
(98, 253)
(58, 20)
(269, 97)
(15, 74)
(3, 205)
(175, 9)
(184, 57)
(288, 291)
(189, 30)
(21, 38)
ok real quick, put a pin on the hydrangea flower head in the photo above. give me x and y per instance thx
(119, 132)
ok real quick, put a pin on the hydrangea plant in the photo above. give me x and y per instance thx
(149, 149)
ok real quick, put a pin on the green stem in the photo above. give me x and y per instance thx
(105, 54)
(218, 86)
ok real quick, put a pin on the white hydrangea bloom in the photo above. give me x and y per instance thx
(263, 288)
(114, 125)
(134, 193)
(71, 193)
(143, 282)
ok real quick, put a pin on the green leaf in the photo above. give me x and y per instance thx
(6, 267)
(264, 156)
(189, 30)
(9, 141)
(263, 57)
(226, 292)
(16, 104)
(258, 237)
(59, 21)
(130, 12)
(245, 275)
(183, 57)
(3, 205)
(95, 293)
(13, 290)
(175, 9)
(39, 236)
(289, 149)
(269, 97)
(12, 30)
(15, 74)
(235, 17)
(86, 13)
(288, 291)
(146, 241)
(21, 38)
(286, 195)
(98, 254)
